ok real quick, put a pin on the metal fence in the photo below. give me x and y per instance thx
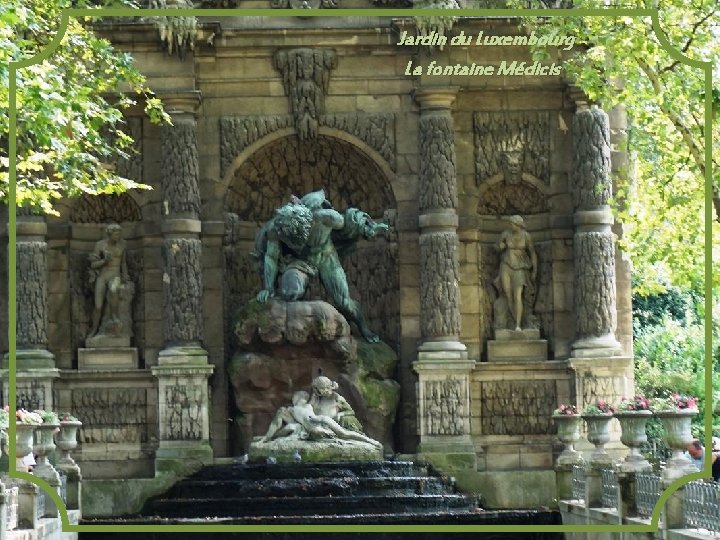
(40, 505)
(11, 508)
(648, 487)
(609, 497)
(578, 482)
(63, 487)
(702, 505)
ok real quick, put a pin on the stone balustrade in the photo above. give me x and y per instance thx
(623, 496)
(29, 513)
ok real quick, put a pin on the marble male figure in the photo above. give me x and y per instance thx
(108, 270)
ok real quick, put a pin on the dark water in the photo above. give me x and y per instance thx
(357, 494)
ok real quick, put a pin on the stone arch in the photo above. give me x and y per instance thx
(524, 197)
(286, 165)
(263, 177)
(104, 208)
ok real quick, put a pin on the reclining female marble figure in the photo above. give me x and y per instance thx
(300, 422)
(302, 241)
(326, 401)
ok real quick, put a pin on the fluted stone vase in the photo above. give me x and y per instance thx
(677, 436)
(633, 435)
(66, 441)
(568, 431)
(598, 434)
(23, 443)
(43, 447)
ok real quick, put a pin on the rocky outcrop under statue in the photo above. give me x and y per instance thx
(284, 346)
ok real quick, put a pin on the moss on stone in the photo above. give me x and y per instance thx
(283, 450)
(105, 498)
(377, 360)
(254, 313)
(382, 396)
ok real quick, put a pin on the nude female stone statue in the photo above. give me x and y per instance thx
(518, 266)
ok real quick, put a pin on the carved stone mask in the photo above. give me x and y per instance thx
(512, 164)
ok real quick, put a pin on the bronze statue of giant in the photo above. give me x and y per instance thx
(305, 239)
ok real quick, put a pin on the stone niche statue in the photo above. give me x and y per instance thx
(320, 426)
(516, 278)
(113, 292)
(303, 241)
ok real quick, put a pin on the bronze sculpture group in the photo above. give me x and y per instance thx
(304, 240)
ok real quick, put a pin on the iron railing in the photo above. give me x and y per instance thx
(702, 506)
(648, 487)
(63, 487)
(40, 505)
(578, 482)
(609, 495)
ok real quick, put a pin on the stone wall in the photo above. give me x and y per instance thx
(258, 142)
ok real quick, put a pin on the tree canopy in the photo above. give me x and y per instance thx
(621, 60)
(69, 127)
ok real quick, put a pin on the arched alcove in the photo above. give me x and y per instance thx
(288, 166)
(266, 178)
(89, 215)
(105, 208)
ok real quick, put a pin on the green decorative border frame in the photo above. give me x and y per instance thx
(706, 67)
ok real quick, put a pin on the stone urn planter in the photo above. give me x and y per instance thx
(677, 436)
(598, 434)
(23, 443)
(568, 431)
(66, 441)
(44, 446)
(633, 435)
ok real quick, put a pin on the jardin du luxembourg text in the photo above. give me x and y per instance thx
(505, 68)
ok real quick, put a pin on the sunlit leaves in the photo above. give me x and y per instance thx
(69, 124)
(661, 198)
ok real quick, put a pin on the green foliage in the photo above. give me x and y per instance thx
(673, 302)
(669, 358)
(660, 194)
(69, 124)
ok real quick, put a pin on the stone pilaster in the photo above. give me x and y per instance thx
(594, 243)
(442, 366)
(183, 368)
(35, 364)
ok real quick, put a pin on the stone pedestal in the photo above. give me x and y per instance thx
(444, 406)
(108, 358)
(28, 494)
(33, 387)
(284, 451)
(183, 397)
(521, 345)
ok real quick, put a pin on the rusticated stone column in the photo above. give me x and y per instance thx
(183, 368)
(594, 243)
(442, 366)
(35, 364)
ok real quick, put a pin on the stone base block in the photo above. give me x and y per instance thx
(103, 341)
(283, 450)
(534, 350)
(108, 358)
(528, 334)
